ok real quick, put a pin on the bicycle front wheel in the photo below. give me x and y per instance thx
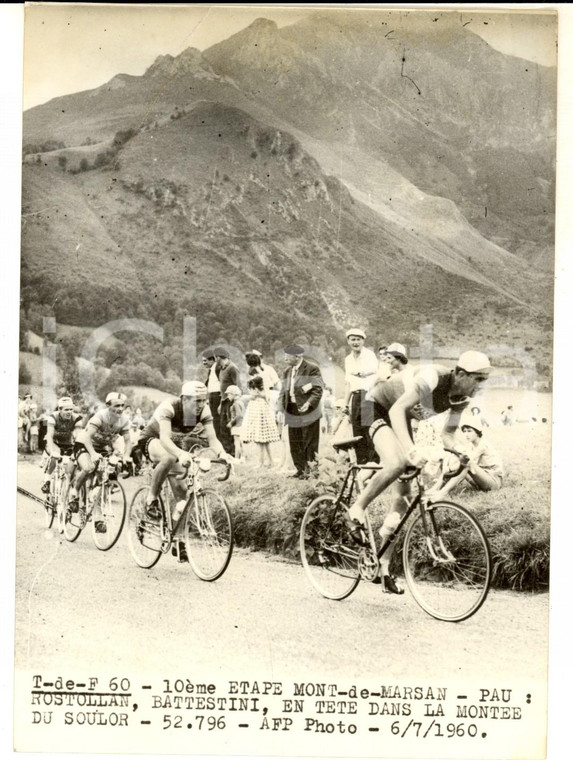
(50, 503)
(447, 562)
(208, 535)
(108, 515)
(328, 553)
(72, 523)
(144, 535)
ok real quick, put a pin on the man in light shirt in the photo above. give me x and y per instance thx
(360, 368)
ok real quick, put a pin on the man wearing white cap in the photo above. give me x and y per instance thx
(360, 368)
(437, 389)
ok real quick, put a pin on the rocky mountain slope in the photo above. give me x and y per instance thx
(373, 168)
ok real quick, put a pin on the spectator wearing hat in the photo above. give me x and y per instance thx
(483, 468)
(299, 399)
(360, 368)
(228, 375)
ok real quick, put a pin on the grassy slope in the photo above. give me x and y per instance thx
(268, 509)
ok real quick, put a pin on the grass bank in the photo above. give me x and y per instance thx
(268, 507)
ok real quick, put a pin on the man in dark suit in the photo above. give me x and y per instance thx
(228, 375)
(300, 401)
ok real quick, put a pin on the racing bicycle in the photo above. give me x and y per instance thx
(446, 555)
(59, 484)
(101, 502)
(204, 526)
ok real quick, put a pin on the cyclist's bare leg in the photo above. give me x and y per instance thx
(166, 466)
(392, 520)
(85, 469)
(392, 457)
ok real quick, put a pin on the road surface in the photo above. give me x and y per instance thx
(77, 606)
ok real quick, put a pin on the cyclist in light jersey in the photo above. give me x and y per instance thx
(391, 405)
(102, 432)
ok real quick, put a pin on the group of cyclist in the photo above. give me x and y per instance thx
(382, 406)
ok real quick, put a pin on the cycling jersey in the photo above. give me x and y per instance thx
(433, 385)
(63, 427)
(182, 421)
(107, 427)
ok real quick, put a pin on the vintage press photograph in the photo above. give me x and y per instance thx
(285, 380)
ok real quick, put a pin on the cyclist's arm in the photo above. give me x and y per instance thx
(50, 440)
(166, 440)
(85, 437)
(128, 444)
(214, 442)
(398, 418)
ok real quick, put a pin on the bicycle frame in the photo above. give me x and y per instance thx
(344, 497)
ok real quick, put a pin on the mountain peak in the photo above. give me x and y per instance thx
(263, 23)
(187, 62)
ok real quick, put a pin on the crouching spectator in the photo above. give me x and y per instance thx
(483, 467)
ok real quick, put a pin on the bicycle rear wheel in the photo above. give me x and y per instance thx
(144, 536)
(328, 553)
(108, 516)
(447, 562)
(208, 535)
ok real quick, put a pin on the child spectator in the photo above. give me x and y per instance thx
(483, 465)
(237, 412)
(260, 427)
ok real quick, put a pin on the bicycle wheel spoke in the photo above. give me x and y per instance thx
(450, 581)
(108, 515)
(144, 536)
(328, 553)
(208, 535)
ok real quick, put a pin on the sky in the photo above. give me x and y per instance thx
(69, 48)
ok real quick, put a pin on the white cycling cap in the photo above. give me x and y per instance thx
(474, 361)
(397, 350)
(194, 388)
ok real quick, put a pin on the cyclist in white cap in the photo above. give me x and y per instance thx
(100, 436)
(437, 389)
(163, 436)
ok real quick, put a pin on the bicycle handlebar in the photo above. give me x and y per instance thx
(226, 474)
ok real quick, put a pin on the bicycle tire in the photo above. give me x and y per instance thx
(111, 513)
(143, 536)
(453, 584)
(50, 503)
(72, 521)
(209, 535)
(62, 496)
(328, 553)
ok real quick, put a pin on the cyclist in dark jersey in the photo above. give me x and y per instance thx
(61, 428)
(390, 406)
(162, 438)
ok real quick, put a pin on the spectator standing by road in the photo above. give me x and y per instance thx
(209, 374)
(299, 399)
(237, 412)
(228, 375)
(360, 368)
(260, 427)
